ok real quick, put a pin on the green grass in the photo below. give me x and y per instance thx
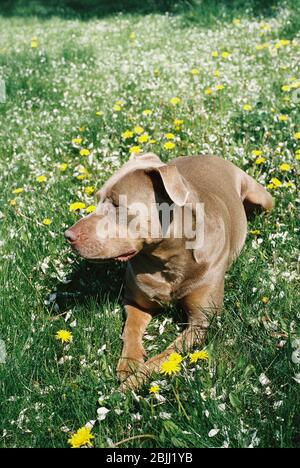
(80, 67)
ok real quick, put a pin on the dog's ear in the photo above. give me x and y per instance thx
(174, 183)
(146, 157)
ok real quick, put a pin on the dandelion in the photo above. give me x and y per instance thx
(77, 141)
(285, 88)
(169, 136)
(195, 71)
(170, 367)
(152, 141)
(117, 108)
(135, 149)
(283, 117)
(127, 134)
(81, 438)
(13, 202)
(63, 167)
(297, 136)
(219, 87)
(260, 160)
(276, 182)
(132, 36)
(76, 206)
(90, 209)
(147, 112)
(84, 152)
(207, 91)
(256, 153)
(89, 190)
(34, 43)
(284, 167)
(255, 232)
(41, 178)
(217, 73)
(154, 389)
(198, 356)
(247, 107)
(265, 299)
(46, 221)
(178, 124)
(143, 138)
(225, 55)
(138, 130)
(175, 100)
(64, 336)
(175, 357)
(215, 54)
(297, 155)
(17, 191)
(236, 21)
(99, 113)
(169, 145)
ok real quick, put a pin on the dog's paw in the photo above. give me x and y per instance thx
(127, 366)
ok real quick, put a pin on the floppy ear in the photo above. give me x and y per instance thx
(146, 157)
(174, 183)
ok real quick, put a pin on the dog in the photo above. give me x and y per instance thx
(162, 266)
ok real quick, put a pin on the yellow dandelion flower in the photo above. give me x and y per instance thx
(198, 356)
(284, 167)
(219, 87)
(81, 438)
(76, 206)
(117, 108)
(215, 53)
(195, 71)
(147, 112)
(260, 160)
(247, 107)
(297, 135)
(64, 336)
(265, 299)
(178, 123)
(217, 73)
(84, 152)
(285, 88)
(207, 91)
(89, 190)
(62, 167)
(46, 221)
(34, 43)
(225, 54)
(169, 145)
(143, 138)
(13, 202)
(175, 100)
(169, 136)
(132, 36)
(176, 357)
(170, 367)
(283, 118)
(138, 130)
(77, 141)
(99, 113)
(276, 182)
(154, 389)
(41, 178)
(135, 149)
(255, 232)
(236, 21)
(90, 209)
(127, 134)
(152, 141)
(256, 153)
(18, 190)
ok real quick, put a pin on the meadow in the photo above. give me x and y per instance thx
(81, 94)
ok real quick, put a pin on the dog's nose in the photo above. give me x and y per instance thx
(71, 236)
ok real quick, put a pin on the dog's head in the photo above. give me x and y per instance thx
(126, 221)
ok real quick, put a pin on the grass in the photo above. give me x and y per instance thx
(80, 67)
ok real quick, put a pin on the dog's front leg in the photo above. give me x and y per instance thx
(133, 352)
